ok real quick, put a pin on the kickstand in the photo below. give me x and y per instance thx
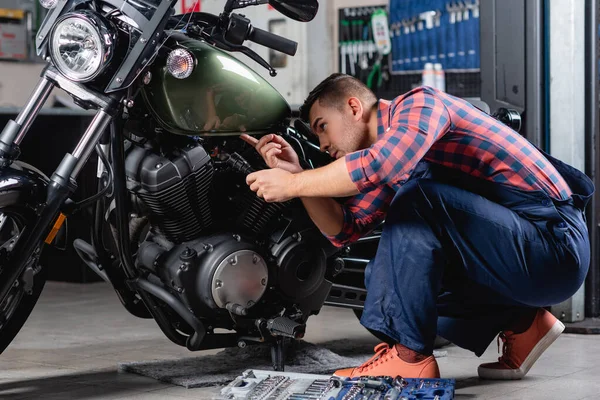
(278, 353)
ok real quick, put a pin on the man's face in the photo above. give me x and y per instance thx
(339, 131)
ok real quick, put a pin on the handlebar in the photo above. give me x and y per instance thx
(273, 41)
(239, 29)
(229, 33)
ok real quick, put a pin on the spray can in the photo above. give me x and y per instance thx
(428, 75)
(440, 77)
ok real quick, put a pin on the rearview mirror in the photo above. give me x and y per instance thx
(299, 10)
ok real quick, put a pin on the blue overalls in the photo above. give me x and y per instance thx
(468, 256)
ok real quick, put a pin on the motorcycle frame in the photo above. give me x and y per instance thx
(62, 184)
(138, 295)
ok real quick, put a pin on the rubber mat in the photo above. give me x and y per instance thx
(224, 367)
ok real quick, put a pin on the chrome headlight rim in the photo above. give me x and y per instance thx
(106, 33)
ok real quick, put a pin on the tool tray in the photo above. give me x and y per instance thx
(272, 385)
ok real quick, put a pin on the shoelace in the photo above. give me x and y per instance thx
(507, 343)
(381, 352)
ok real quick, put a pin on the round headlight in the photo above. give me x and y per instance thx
(81, 46)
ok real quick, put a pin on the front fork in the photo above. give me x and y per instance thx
(62, 182)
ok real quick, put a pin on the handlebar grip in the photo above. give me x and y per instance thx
(273, 41)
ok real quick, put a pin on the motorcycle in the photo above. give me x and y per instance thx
(175, 229)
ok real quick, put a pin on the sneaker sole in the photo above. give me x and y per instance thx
(436, 376)
(536, 352)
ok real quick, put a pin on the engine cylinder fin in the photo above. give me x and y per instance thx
(182, 211)
(255, 213)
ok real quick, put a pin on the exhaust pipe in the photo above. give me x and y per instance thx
(194, 342)
(88, 254)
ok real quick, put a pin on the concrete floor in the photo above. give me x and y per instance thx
(74, 339)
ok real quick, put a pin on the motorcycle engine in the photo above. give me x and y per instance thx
(216, 272)
(174, 189)
(227, 271)
(221, 251)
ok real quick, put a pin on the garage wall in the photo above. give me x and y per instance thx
(567, 106)
(567, 81)
(17, 80)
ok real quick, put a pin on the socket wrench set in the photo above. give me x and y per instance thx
(270, 385)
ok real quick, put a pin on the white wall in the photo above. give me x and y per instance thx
(319, 45)
(567, 106)
(567, 81)
(17, 80)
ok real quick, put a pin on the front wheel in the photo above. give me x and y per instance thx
(18, 304)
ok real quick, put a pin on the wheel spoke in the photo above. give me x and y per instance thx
(10, 243)
(3, 219)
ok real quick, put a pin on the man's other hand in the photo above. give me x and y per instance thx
(276, 152)
(274, 185)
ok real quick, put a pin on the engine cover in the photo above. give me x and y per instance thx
(302, 265)
(211, 273)
(239, 280)
(175, 189)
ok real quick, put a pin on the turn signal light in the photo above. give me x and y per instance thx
(180, 63)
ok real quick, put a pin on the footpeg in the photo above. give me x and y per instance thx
(282, 326)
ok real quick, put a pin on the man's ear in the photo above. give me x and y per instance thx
(356, 107)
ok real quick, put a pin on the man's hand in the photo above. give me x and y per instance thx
(276, 152)
(274, 185)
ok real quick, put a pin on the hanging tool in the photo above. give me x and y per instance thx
(406, 45)
(440, 26)
(383, 44)
(451, 31)
(352, 45)
(473, 34)
(344, 40)
(462, 16)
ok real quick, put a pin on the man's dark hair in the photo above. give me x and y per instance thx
(334, 90)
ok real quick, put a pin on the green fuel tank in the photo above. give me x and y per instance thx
(222, 96)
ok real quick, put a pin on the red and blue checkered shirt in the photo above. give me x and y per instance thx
(428, 124)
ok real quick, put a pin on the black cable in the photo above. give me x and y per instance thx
(299, 145)
(91, 200)
(122, 200)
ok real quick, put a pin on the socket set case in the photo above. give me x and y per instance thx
(271, 385)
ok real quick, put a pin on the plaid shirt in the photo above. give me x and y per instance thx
(428, 124)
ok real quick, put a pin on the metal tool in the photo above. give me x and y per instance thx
(392, 394)
(303, 396)
(352, 393)
(266, 387)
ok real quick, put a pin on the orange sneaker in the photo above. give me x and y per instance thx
(386, 362)
(521, 350)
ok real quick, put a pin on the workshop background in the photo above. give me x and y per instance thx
(512, 63)
(539, 57)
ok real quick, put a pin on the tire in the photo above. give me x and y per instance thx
(439, 341)
(18, 305)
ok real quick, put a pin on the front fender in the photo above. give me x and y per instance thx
(22, 184)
